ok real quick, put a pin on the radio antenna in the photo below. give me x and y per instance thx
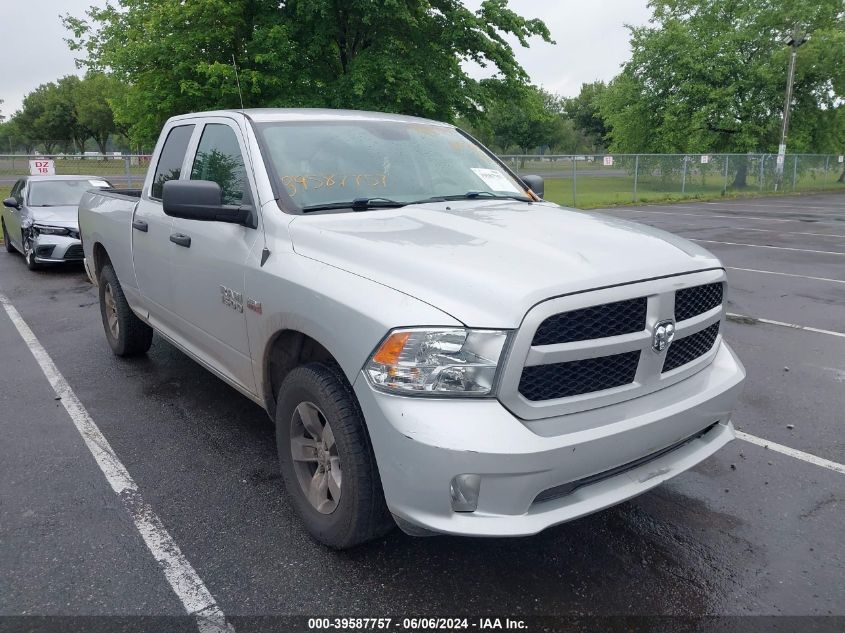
(238, 80)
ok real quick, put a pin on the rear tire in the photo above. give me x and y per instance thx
(6, 241)
(126, 333)
(344, 511)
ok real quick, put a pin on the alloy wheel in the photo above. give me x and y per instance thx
(315, 458)
(111, 311)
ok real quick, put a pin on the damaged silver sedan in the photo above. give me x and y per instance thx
(39, 218)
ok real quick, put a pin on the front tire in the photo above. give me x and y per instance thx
(6, 241)
(327, 460)
(29, 255)
(126, 333)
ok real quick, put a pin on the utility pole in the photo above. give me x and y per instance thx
(794, 41)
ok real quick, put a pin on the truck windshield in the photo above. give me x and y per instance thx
(60, 193)
(333, 164)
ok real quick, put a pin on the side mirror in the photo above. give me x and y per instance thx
(200, 200)
(11, 203)
(535, 184)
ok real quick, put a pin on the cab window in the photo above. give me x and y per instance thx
(172, 155)
(219, 159)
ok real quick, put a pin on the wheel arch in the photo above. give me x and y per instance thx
(101, 257)
(286, 350)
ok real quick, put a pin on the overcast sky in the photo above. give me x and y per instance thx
(592, 43)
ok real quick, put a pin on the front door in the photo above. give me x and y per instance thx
(12, 217)
(208, 259)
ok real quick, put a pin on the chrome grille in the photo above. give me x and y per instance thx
(687, 349)
(610, 319)
(691, 302)
(562, 380)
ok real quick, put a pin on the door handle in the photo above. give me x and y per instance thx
(140, 225)
(181, 240)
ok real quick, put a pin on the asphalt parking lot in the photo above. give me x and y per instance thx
(751, 531)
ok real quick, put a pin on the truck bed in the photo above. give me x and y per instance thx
(105, 217)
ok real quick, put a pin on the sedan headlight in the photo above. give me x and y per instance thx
(437, 362)
(50, 230)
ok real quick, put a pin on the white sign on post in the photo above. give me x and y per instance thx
(608, 161)
(842, 159)
(42, 168)
(705, 159)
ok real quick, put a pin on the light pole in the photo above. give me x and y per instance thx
(794, 41)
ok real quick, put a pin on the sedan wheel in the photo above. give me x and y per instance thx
(316, 460)
(29, 255)
(6, 241)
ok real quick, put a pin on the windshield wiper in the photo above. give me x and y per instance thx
(358, 204)
(472, 195)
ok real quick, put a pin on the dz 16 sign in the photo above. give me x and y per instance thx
(42, 168)
(608, 161)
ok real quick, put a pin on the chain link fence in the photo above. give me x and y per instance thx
(121, 170)
(578, 180)
(603, 179)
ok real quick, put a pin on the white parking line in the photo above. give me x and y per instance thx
(183, 579)
(772, 272)
(755, 208)
(741, 318)
(747, 228)
(797, 207)
(780, 448)
(780, 248)
(697, 215)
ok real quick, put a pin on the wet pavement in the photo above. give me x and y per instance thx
(748, 532)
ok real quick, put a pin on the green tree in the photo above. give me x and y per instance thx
(585, 114)
(709, 76)
(12, 138)
(93, 111)
(525, 118)
(47, 115)
(400, 56)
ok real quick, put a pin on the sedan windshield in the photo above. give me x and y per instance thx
(375, 164)
(60, 193)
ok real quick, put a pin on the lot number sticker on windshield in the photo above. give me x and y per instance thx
(99, 183)
(495, 179)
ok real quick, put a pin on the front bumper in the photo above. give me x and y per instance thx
(56, 249)
(421, 444)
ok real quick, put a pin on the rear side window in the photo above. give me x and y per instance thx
(172, 155)
(219, 159)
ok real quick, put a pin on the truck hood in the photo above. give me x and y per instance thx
(487, 263)
(66, 216)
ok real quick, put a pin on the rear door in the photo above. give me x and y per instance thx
(208, 262)
(151, 228)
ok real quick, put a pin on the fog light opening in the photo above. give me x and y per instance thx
(464, 492)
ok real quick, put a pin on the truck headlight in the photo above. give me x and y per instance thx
(437, 361)
(50, 230)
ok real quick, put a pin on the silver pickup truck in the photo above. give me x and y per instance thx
(438, 347)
